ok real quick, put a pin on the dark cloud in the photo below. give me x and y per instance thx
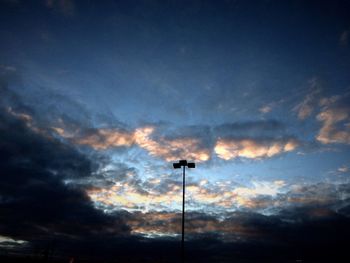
(36, 204)
(311, 234)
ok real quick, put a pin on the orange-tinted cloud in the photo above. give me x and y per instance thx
(171, 149)
(106, 138)
(228, 149)
(167, 149)
(335, 118)
(187, 147)
(27, 120)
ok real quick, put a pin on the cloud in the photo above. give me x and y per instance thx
(159, 224)
(316, 209)
(228, 149)
(139, 196)
(250, 129)
(321, 194)
(169, 149)
(334, 114)
(252, 140)
(35, 202)
(164, 194)
(285, 228)
(65, 7)
(343, 169)
(6, 69)
(335, 118)
(102, 139)
(265, 109)
(307, 106)
(77, 128)
(344, 38)
(315, 215)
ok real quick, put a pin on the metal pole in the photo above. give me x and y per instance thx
(183, 217)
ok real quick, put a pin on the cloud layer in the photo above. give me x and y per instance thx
(229, 142)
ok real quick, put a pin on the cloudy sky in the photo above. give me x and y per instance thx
(97, 100)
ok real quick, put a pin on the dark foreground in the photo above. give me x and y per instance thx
(32, 259)
(154, 254)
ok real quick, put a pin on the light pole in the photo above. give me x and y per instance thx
(183, 163)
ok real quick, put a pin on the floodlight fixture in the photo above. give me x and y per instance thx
(176, 165)
(183, 162)
(191, 165)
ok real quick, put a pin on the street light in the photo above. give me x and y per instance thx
(183, 163)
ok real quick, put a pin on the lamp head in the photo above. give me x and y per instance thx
(176, 165)
(183, 162)
(191, 165)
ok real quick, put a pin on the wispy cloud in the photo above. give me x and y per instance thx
(66, 7)
(7, 69)
(265, 109)
(344, 38)
(305, 108)
(268, 107)
(343, 169)
(335, 119)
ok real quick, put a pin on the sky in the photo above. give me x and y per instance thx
(99, 98)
